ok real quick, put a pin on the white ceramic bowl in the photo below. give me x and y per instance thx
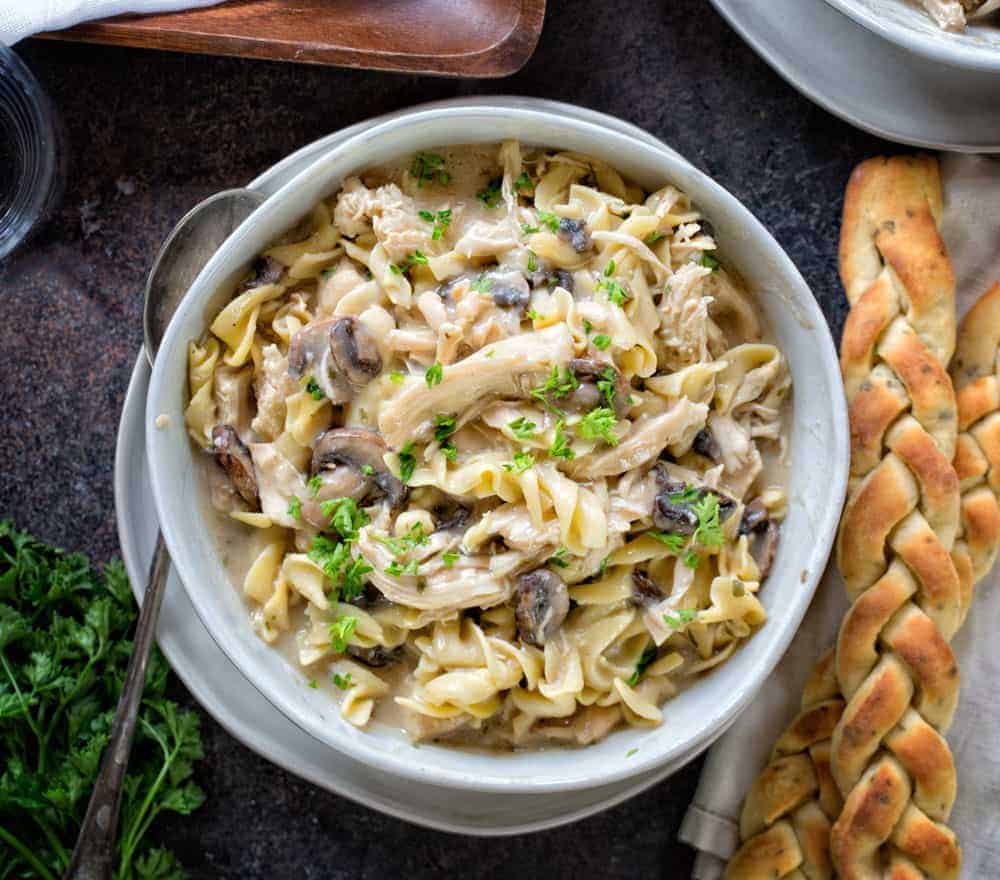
(818, 473)
(905, 23)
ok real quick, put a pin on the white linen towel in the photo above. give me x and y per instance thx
(22, 18)
(971, 230)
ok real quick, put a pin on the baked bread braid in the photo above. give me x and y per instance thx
(882, 750)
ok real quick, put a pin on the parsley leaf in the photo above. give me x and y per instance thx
(295, 508)
(602, 341)
(314, 390)
(314, 484)
(396, 377)
(449, 559)
(407, 462)
(482, 284)
(523, 181)
(683, 617)
(560, 444)
(709, 531)
(607, 384)
(709, 261)
(599, 424)
(558, 559)
(341, 631)
(65, 641)
(434, 375)
(342, 681)
(675, 543)
(522, 428)
(558, 384)
(548, 219)
(532, 262)
(429, 167)
(522, 461)
(492, 195)
(653, 237)
(648, 656)
(345, 516)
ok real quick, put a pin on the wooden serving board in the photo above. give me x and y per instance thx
(479, 38)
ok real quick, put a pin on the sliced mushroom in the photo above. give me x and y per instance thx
(360, 451)
(450, 515)
(541, 603)
(705, 444)
(678, 516)
(754, 516)
(234, 458)
(375, 656)
(764, 533)
(645, 591)
(339, 353)
(766, 547)
(588, 396)
(509, 290)
(575, 233)
(265, 270)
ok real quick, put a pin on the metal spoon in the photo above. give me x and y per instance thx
(188, 247)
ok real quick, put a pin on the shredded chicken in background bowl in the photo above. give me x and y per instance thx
(954, 14)
(494, 444)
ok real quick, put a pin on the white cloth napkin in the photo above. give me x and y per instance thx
(972, 232)
(22, 18)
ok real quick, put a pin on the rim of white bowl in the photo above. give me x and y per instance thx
(364, 748)
(946, 47)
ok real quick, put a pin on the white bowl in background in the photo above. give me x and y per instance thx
(907, 24)
(817, 475)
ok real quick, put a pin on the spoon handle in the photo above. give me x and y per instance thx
(93, 856)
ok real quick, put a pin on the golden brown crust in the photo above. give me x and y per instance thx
(909, 544)
(773, 853)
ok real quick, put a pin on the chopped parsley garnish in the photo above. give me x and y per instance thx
(558, 559)
(295, 508)
(482, 284)
(367, 470)
(560, 444)
(523, 181)
(599, 424)
(416, 259)
(616, 293)
(342, 681)
(587, 327)
(344, 570)
(340, 631)
(345, 516)
(532, 315)
(691, 559)
(522, 461)
(314, 484)
(532, 262)
(434, 375)
(609, 270)
(491, 196)
(312, 386)
(396, 270)
(547, 218)
(674, 543)
(313, 684)
(429, 167)
(559, 384)
(709, 262)
(689, 496)
(631, 752)
(441, 221)
(407, 462)
(413, 538)
(397, 570)
(648, 656)
(602, 341)
(603, 567)
(444, 427)
(527, 229)
(653, 237)
(709, 531)
(607, 383)
(396, 377)
(449, 559)
(522, 428)
(683, 617)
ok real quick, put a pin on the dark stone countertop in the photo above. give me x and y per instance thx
(150, 134)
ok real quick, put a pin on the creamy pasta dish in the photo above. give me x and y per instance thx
(494, 443)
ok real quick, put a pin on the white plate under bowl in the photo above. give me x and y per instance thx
(906, 24)
(867, 81)
(818, 442)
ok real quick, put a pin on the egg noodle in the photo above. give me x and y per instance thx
(494, 425)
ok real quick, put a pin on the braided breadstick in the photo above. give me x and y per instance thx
(883, 750)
